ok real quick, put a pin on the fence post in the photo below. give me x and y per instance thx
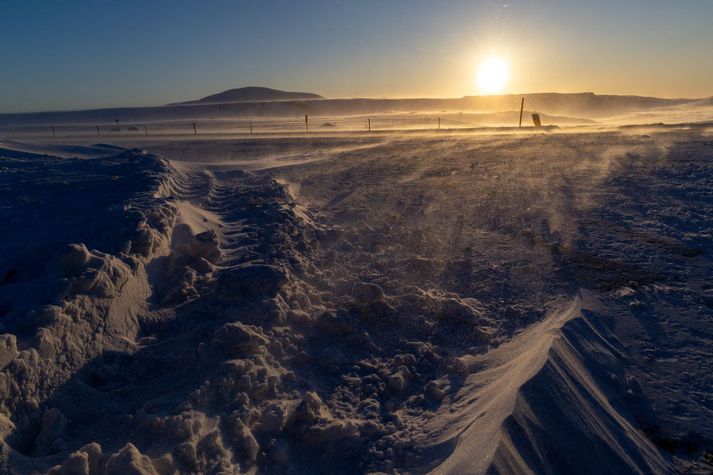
(195, 131)
(306, 124)
(522, 105)
(53, 132)
(251, 126)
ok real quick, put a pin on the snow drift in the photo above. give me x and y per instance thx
(546, 403)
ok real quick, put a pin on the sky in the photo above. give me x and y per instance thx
(62, 54)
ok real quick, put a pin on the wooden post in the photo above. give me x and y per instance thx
(195, 131)
(251, 126)
(368, 124)
(53, 132)
(522, 105)
(536, 120)
(306, 124)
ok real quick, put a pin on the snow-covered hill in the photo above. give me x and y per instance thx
(253, 94)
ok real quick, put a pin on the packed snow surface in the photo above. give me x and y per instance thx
(394, 303)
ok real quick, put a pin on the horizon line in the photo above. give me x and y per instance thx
(322, 98)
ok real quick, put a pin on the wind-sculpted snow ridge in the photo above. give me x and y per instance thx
(544, 397)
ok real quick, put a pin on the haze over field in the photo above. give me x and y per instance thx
(349, 238)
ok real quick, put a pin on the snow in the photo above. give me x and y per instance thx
(399, 303)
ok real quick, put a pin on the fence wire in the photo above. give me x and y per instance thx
(234, 126)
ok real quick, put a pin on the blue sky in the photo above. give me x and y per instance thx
(61, 54)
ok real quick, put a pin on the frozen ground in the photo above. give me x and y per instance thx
(446, 303)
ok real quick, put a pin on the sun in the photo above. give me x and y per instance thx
(493, 74)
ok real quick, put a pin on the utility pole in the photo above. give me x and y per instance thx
(99, 134)
(522, 105)
(53, 132)
(306, 124)
(195, 131)
(368, 124)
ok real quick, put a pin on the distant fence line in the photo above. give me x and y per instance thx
(234, 126)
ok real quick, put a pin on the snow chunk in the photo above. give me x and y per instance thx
(238, 339)
(252, 280)
(8, 349)
(80, 271)
(129, 461)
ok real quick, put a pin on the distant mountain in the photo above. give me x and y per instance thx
(707, 102)
(245, 102)
(252, 94)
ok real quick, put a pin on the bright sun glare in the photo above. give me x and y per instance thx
(493, 75)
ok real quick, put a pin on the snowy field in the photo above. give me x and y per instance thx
(350, 303)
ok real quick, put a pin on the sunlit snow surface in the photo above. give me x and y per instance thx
(455, 303)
